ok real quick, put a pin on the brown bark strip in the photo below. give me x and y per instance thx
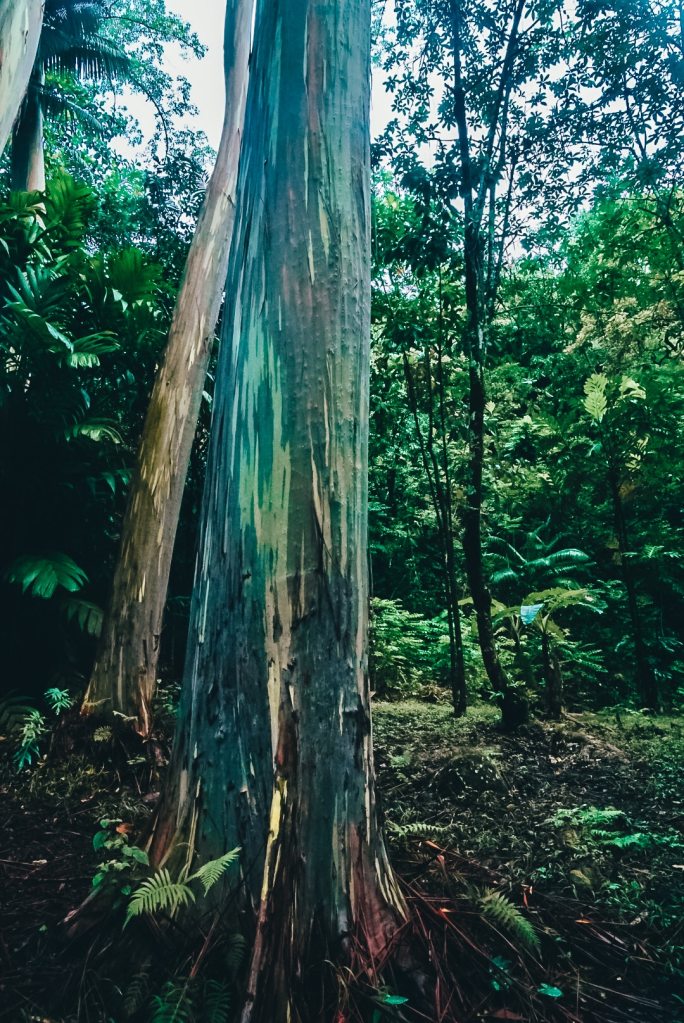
(124, 677)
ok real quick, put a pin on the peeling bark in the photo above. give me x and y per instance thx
(20, 25)
(274, 749)
(124, 677)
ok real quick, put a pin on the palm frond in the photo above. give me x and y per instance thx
(41, 575)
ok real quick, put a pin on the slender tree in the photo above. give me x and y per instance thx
(273, 751)
(69, 40)
(20, 25)
(125, 672)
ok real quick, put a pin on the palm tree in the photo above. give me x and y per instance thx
(71, 42)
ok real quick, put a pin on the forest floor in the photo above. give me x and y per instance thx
(576, 829)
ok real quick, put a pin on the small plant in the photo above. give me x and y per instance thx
(501, 913)
(160, 893)
(59, 700)
(33, 729)
(26, 726)
(121, 868)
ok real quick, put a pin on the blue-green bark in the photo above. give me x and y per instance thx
(274, 746)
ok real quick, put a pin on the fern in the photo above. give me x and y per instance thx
(419, 830)
(137, 991)
(159, 894)
(212, 872)
(236, 954)
(501, 912)
(595, 401)
(216, 1008)
(173, 1005)
(13, 712)
(59, 699)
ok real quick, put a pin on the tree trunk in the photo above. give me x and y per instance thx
(124, 677)
(646, 683)
(274, 748)
(20, 25)
(27, 171)
(553, 677)
(513, 706)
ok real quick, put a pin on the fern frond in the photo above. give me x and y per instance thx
(159, 894)
(137, 991)
(212, 872)
(501, 912)
(236, 954)
(216, 1007)
(173, 1005)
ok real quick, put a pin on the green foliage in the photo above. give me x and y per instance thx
(33, 729)
(211, 873)
(123, 864)
(161, 894)
(610, 828)
(502, 914)
(173, 1005)
(59, 699)
(41, 576)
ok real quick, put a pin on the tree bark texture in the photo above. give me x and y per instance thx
(274, 749)
(20, 25)
(124, 677)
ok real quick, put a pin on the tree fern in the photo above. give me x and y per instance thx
(159, 894)
(501, 912)
(212, 872)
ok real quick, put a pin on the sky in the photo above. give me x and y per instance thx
(206, 76)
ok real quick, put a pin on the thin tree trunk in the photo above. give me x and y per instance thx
(646, 683)
(457, 675)
(513, 706)
(124, 677)
(274, 748)
(28, 151)
(553, 677)
(20, 25)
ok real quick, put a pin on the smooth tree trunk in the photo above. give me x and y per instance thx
(20, 25)
(27, 170)
(273, 752)
(124, 676)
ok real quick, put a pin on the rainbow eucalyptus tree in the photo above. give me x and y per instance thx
(124, 676)
(273, 751)
(20, 25)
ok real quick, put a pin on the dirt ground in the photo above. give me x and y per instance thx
(555, 856)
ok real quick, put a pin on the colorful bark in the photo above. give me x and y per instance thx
(124, 677)
(274, 746)
(20, 25)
